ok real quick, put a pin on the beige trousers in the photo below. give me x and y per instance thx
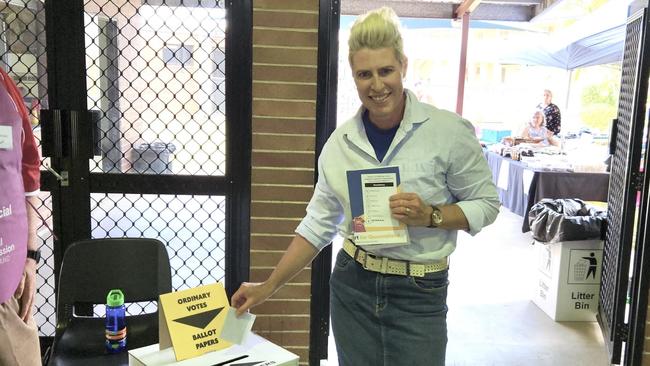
(18, 341)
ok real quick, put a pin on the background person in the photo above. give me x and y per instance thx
(536, 133)
(390, 318)
(551, 112)
(19, 185)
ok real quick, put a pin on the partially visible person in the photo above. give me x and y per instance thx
(389, 303)
(19, 255)
(551, 112)
(536, 133)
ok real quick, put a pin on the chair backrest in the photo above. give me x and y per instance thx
(138, 266)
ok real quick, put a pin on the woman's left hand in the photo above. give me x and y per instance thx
(410, 209)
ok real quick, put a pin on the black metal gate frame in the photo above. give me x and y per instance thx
(641, 273)
(626, 180)
(66, 83)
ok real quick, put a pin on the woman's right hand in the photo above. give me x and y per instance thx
(250, 294)
(299, 253)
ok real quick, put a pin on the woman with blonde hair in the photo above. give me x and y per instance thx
(388, 302)
(537, 133)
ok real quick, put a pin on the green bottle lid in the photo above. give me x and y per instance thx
(115, 297)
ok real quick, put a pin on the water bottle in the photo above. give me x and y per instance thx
(115, 322)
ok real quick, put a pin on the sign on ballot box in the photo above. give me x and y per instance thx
(200, 320)
(567, 279)
(254, 351)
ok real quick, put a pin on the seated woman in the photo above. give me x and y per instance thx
(537, 134)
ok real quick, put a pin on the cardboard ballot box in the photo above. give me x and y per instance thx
(567, 279)
(254, 351)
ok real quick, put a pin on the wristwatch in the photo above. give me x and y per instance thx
(436, 217)
(34, 254)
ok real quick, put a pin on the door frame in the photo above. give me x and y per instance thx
(67, 92)
(327, 72)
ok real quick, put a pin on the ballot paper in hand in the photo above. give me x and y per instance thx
(372, 222)
(238, 326)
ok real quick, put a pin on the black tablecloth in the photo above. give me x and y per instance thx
(544, 184)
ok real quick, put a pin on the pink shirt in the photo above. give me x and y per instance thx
(19, 173)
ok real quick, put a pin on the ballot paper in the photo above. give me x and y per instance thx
(238, 327)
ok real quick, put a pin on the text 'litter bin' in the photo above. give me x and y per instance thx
(152, 158)
(569, 255)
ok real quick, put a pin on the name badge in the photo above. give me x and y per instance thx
(6, 138)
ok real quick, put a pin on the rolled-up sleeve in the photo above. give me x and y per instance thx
(470, 181)
(324, 213)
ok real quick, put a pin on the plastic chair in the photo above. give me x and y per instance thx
(139, 267)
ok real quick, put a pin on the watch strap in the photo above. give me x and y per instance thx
(34, 254)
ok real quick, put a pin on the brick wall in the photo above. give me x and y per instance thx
(285, 40)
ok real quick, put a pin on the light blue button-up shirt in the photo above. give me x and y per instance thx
(439, 158)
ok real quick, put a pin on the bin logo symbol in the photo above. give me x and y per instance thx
(585, 266)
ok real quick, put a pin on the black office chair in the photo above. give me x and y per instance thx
(90, 269)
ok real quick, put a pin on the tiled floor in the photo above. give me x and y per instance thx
(491, 319)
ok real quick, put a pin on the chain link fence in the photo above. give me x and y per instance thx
(156, 77)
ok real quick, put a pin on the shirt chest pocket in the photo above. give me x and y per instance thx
(425, 178)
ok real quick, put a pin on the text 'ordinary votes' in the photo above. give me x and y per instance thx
(189, 299)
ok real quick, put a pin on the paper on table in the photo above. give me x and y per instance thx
(527, 179)
(504, 173)
(237, 328)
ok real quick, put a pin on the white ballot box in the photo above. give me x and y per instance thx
(567, 279)
(255, 351)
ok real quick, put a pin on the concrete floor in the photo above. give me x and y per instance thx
(491, 319)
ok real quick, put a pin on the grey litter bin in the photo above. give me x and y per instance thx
(152, 158)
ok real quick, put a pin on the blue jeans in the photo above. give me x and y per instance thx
(387, 320)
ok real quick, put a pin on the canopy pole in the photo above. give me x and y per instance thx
(568, 92)
(463, 64)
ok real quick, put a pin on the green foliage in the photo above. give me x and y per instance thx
(598, 116)
(599, 104)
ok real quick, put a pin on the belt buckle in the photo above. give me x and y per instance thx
(365, 260)
(384, 265)
(357, 250)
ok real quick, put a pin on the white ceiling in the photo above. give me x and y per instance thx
(511, 10)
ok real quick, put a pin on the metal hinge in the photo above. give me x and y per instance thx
(637, 180)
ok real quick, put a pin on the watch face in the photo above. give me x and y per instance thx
(436, 217)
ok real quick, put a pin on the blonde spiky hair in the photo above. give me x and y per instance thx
(376, 29)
